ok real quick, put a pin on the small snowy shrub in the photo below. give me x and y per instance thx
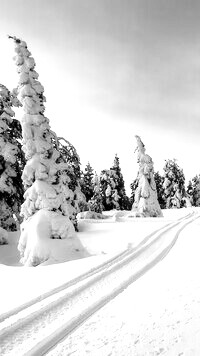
(90, 215)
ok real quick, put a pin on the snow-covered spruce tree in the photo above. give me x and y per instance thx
(159, 180)
(193, 190)
(87, 182)
(47, 209)
(146, 201)
(95, 203)
(70, 156)
(174, 185)
(11, 161)
(123, 200)
(108, 191)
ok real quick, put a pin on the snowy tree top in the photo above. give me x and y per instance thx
(140, 145)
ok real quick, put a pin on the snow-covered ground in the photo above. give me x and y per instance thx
(158, 314)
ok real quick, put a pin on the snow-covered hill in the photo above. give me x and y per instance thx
(96, 297)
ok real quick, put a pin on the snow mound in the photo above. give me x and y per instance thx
(37, 233)
(3, 236)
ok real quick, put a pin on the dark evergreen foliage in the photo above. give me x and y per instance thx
(112, 188)
(69, 155)
(12, 161)
(95, 203)
(107, 189)
(159, 180)
(87, 182)
(174, 185)
(133, 187)
(193, 190)
(123, 201)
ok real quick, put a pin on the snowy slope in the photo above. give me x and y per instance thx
(159, 314)
(156, 294)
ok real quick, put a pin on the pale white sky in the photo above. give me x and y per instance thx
(113, 69)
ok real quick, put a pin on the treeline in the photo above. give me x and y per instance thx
(39, 170)
(107, 191)
(171, 187)
(97, 193)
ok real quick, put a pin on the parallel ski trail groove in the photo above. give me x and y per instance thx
(82, 276)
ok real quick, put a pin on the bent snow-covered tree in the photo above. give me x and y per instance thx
(47, 209)
(146, 201)
(11, 189)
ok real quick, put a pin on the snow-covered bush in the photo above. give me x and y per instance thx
(11, 161)
(90, 215)
(45, 175)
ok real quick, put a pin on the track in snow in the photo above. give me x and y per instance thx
(39, 325)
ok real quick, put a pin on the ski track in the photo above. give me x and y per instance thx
(36, 327)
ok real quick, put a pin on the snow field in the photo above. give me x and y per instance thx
(159, 314)
(88, 295)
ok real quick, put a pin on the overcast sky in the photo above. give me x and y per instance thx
(113, 69)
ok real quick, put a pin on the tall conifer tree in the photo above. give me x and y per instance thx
(95, 203)
(159, 180)
(87, 183)
(123, 200)
(45, 175)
